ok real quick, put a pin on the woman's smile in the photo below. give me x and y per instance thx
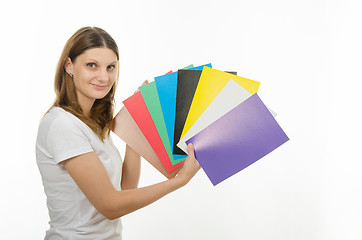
(99, 87)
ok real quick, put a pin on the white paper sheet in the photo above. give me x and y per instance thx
(230, 96)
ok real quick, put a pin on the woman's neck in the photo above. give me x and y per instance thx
(86, 104)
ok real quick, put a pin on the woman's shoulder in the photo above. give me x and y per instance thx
(59, 124)
(55, 114)
(57, 117)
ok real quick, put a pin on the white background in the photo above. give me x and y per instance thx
(307, 56)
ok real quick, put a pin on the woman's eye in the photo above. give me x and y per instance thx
(111, 67)
(91, 65)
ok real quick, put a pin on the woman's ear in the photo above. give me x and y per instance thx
(69, 66)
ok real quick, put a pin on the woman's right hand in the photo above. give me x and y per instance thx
(190, 167)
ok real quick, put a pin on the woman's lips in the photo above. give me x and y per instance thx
(99, 87)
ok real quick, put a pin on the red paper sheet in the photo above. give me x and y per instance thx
(136, 106)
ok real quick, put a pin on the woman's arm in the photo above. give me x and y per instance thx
(90, 175)
(131, 169)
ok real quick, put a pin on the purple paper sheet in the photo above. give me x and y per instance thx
(236, 140)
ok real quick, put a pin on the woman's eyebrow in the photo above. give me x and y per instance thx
(93, 60)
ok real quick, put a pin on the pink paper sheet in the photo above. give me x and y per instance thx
(126, 128)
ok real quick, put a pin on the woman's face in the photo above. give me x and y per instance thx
(94, 73)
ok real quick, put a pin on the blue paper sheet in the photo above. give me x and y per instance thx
(167, 90)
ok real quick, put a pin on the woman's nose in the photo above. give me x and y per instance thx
(103, 75)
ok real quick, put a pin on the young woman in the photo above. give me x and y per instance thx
(88, 188)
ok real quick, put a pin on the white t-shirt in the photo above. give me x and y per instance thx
(61, 136)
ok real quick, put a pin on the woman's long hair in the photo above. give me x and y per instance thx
(101, 114)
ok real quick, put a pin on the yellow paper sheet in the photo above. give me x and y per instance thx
(211, 83)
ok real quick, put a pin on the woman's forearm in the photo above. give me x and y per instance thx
(131, 169)
(127, 201)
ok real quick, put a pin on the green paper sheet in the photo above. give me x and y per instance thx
(150, 96)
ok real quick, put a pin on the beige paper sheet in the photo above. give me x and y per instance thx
(128, 131)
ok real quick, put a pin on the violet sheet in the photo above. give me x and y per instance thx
(238, 139)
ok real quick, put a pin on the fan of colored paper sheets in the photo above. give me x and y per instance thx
(219, 112)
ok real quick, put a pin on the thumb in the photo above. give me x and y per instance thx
(190, 150)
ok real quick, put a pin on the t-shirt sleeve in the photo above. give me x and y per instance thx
(66, 139)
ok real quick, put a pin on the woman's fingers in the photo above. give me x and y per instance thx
(144, 83)
(190, 150)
